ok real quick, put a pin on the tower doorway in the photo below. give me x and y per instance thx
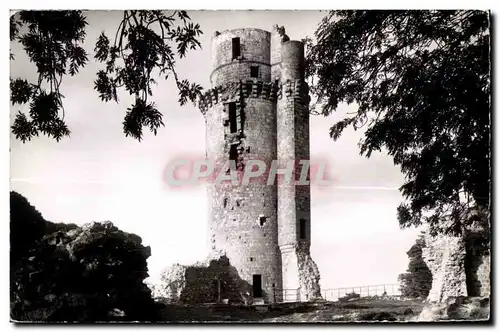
(257, 285)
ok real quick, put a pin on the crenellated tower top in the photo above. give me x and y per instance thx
(255, 63)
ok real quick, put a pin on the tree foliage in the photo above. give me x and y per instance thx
(27, 226)
(421, 84)
(146, 43)
(417, 281)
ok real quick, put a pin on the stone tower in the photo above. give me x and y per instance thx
(257, 108)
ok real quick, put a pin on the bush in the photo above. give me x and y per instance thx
(417, 281)
(349, 296)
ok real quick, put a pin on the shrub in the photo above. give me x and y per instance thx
(417, 281)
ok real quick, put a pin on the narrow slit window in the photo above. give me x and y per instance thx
(254, 71)
(302, 229)
(236, 47)
(233, 118)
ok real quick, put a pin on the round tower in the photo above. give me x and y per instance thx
(293, 145)
(240, 116)
(294, 216)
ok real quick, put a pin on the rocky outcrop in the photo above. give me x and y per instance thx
(210, 281)
(308, 275)
(82, 274)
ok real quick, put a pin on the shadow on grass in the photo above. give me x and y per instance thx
(229, 313)
(290, 312)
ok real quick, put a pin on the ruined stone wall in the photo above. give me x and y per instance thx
(461, 264)
(445, 257)
(478, 255)
(483, 276)
(210, 281)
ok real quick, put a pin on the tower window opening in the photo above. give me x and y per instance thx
(254, 71)
(225, 201)
(233, 118)
(302, 229)
(262, 221)
(251, 259)
(236, 47)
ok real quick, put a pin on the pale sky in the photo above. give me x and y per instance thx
(99, 174)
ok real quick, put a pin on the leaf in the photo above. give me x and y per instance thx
(139, 115)
(20, 91)
(141, 48)
(22, 128)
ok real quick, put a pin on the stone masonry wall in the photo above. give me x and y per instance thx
(243, 217)
(205, 282)
(255, 46)
(245, 223)
(478, 255)
(445, 257)
(308, 274)
(278, 37)
(460, 265)
(299, 270)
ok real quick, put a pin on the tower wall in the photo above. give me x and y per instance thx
(276, 41)
(255, 50)
(294, 205)
(243, 218)
(292, 61)
(258, 226)
(293, 144)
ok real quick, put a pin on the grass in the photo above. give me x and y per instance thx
(323, 312)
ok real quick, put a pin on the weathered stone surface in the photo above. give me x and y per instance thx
(457, 308)
(213, 280)
(483, 276)
(308, 275)
(460, 264)
(257, 109)
(445, 257)
(478, 257)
